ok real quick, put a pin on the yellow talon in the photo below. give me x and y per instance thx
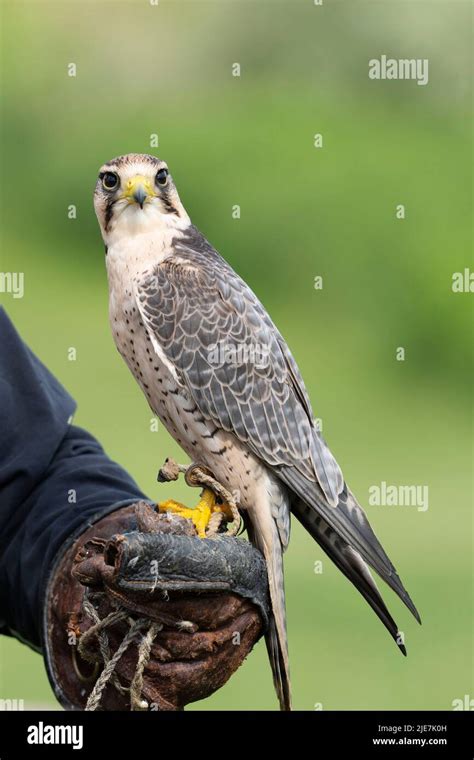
(201, 513)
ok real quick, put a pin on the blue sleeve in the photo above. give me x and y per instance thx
(55, 480)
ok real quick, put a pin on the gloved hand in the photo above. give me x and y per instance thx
(185, 610)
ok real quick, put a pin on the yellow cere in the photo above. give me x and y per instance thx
(133, 184)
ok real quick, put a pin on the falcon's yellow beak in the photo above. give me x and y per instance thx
(138, 189)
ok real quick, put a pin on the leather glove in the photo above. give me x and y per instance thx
(185, 611)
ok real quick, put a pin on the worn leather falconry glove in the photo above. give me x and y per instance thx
(142, 614)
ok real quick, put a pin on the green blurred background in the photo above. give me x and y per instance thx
(166, 69)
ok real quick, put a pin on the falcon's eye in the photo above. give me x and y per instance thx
(162, 177)
(110, 180)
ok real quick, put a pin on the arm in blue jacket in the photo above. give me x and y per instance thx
(55, 481)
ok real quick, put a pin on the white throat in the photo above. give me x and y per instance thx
(138, 239)
(131, 221)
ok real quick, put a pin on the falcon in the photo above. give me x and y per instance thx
(221, 378)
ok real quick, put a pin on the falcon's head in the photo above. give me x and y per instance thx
(135, 194)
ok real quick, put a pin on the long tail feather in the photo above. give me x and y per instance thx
(352, 565)
(263, 533)
(349, 521)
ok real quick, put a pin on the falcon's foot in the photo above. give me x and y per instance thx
(206, 516)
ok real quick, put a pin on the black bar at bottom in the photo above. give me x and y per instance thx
(134, 735)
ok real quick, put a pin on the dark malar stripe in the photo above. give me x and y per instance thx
(168, 204)
(108, 213)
